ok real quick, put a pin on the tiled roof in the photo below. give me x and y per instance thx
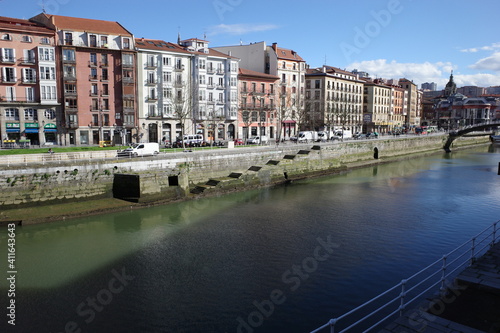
(286, 54)
(160, 45)
(22, 25)
(90, 25)
(248, 72)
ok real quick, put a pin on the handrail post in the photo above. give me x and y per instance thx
(402, 297)
(494, 233)
(443, 275)
(472, 251)
(332, 325)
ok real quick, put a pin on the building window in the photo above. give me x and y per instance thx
(167, 61)
(128, 59)
(46, 54)
(68, 55)
(26, 39)
(29, 75)
(92, 40)
(8, 55)
(105, 89)
(47, 73)
(68, 38)
(48, 92)
(30, 114)
(30, 94)
(44, 40)
(6, 37)
(104, 41)
(11, 114)
(49, 114)
(126, 43)
(9, 74)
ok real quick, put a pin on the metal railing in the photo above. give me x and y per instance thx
(396, 300)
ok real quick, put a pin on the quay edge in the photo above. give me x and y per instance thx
(72, 188)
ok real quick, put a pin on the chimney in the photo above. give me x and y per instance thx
(275, 47)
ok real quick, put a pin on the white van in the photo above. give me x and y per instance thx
(193, 139)
(258, 140)
(141, 149)
(345, 134)
(307, 136)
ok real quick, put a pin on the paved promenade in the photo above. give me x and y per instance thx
(472, 305)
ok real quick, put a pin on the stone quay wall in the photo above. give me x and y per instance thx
(54, 178)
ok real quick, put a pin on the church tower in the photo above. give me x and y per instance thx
(451, 87)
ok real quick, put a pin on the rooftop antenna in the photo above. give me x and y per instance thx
(43, 6)
(178, 35)
(325, 60)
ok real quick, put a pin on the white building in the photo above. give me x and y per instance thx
(164, 94)
(215, 82)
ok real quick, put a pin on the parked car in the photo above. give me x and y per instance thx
(238, 142)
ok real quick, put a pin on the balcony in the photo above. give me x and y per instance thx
(9, 80)
(151, 98)
(73, 124)
(127, 65)
(220, 71)
(210, 70)
(128, 80)
(151, 82)
(92, 63)
(93, 93)
(104, 78)
(11, 99)
(179, 68)
(28, 81)
(93, 77)
(179, 83)
(8, 59)
(103, 64)
(70, 93)
(151, 65)
(28, 61)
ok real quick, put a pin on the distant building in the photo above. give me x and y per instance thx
(471, 91)
(429, 86)
(413, 106)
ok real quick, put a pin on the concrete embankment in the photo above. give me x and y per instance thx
(76, 179)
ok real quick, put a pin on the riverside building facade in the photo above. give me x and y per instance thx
(96, 75)
(29, 105)
(334, 99)
(286, 64)
(257, 114)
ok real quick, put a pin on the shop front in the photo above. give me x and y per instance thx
(32, 133)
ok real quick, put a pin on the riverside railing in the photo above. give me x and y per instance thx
(396, 300)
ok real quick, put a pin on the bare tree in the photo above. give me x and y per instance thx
(284, 112)
(182, 101)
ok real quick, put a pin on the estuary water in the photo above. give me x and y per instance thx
(313, 249)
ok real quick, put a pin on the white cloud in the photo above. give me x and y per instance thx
(491, 63)
(491, 47)
(419, 73)
(239, 29)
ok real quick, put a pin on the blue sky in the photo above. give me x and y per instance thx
(421, 40)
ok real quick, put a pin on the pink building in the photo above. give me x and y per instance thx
(28, 87)
(259, 99)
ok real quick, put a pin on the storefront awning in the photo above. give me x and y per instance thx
(12, 130)
(289, 121)
(50, 130)
(31, 130)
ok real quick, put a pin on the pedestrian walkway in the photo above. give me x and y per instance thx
(470, 305)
